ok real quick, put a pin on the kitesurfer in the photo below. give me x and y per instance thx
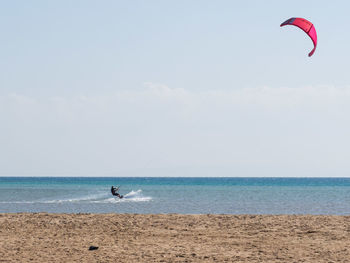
(114, 191)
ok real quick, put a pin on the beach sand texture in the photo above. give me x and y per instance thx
(42, 237)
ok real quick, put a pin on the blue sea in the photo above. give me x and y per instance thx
(176, 195)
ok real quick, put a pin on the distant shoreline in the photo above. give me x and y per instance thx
(44, 237)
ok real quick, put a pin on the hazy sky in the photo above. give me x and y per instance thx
(173, 88)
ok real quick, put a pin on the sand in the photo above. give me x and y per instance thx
(42, 237)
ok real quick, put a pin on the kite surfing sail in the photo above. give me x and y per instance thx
(306, 26)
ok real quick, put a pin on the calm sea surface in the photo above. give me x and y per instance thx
(176, 195)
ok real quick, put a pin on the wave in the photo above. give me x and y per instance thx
(133, 196)
(78, 199)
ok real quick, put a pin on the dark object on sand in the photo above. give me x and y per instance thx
(93, 248)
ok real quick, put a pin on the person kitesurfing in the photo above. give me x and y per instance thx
(114, 191)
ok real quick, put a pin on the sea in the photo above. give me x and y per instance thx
(154, 195)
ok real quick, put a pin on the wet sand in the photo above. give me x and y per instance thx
(42, 237)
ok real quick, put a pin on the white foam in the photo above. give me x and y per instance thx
(133, 196)
(77, 199)
(55, 201)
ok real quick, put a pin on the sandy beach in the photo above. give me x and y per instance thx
(41, 237)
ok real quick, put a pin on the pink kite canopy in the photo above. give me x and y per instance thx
(306, 26)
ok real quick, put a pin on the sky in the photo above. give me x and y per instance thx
(173, 88)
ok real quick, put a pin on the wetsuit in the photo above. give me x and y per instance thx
(113, 190)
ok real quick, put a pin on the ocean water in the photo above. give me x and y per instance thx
(176, 195)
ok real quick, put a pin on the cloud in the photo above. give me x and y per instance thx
(159, 130)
